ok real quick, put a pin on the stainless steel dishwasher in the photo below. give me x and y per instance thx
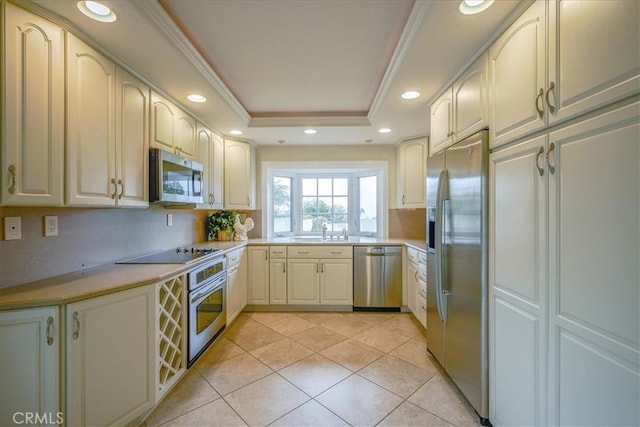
(377, 277)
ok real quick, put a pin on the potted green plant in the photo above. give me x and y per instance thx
(220, 225)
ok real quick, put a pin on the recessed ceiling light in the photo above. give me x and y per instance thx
(310, 131)
(96, 11)
(471, 7)
(410, 94)
(194, 97)
(235, 132)
(384, 130)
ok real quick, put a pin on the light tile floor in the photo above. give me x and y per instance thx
(316, 369)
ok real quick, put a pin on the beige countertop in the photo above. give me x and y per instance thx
(111, 278)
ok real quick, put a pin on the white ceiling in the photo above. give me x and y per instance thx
(272, 68)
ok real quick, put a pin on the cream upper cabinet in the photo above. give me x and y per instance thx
(239, 189)
(441, 122)
(518, 65)
(258, 275)
(211, 155)
(30, 360)
(470, 100)
(412, 169)
(111, 358)
(33, 108)
(108, 132)
(599, 66)
(172, 129)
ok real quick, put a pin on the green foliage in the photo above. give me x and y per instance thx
(220, 220)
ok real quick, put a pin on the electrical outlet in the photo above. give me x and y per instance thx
(50, 226)
(169, 220)
(12, 228)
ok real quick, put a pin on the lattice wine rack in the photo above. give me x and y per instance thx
(172, 332)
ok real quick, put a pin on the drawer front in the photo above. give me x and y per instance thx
(412, 254)
(422, 257)
(319, 251)
(277, 251)
(233, 258)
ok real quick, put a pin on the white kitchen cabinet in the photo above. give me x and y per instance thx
(239, 187)
(416, 283)
(412, 169)
(30, 360)
(111, 357)
(303, 281)
(421, 305)
(210, 154)
(172, 129)
(441, 123)
(258, 275)
(108, 122)
(412, 287)
(237, 273)
(33, 106)
(277, 275)
(336, 281)
(559, 305)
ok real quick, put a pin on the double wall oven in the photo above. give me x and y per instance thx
(207, 288)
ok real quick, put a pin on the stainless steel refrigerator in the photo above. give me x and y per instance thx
(457, 252)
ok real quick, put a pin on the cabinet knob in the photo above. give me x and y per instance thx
(76, 325)
(552, 168)
(538, 102)
(121, 184)
(552, 107)
(50, 330)
(540, 151)
(115, 188)
(12, 172)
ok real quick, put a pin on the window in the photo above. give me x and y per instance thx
(303, 200)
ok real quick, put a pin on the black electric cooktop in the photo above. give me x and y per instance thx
(173, 256)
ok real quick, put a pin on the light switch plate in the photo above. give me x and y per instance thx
(12, 228)
(50, 226)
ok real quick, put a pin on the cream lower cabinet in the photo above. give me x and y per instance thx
(111, 357)
(277, 275)
(303, 281)
(30, 361)
(33, 107)
(258, 290)
(238, 262)
(564, 294)
(336, 281)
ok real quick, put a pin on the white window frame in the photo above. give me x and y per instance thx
(353, 170)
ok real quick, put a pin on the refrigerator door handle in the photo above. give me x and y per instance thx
(441, 195)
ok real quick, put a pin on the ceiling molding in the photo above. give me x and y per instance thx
(307, 121)
(161, 19)
(412, 27)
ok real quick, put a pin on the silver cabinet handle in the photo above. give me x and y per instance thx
(540, 170)
(266, 255)
(50, 330)
(213, 198)
(538, 99)
(317, 267)
(115, 188)
(121, 184)
(322, 267)
(552, 107)
(12, 172)
(248, 201)
(76, 325)
(403, 194)
(552, 168)
(284, 267)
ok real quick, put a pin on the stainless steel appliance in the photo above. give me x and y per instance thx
(207, 308)
(457, 266)
(377, 277)
(174, 179)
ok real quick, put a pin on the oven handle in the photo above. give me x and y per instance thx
(207, 289)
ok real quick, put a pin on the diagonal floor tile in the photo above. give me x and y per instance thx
(291, 325)
(347, 325)
(267, 317)
(395, 375)
(214, 414)
(415, 351)
(314, 374)
(234, 373)
(405, 325)
(410, 415)
(318, 338)
(255, 337)
(381, 339)
(222, 349)
(311, 414)
(266, 400)
(281, 353)
(359, 401)
(352, 354)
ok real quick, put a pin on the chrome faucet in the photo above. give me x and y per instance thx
(324, 231)
(344, 234)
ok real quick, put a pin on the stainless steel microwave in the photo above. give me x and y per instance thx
(174, 179)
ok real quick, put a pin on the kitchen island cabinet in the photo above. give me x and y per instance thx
(30, 360)
(111, 358)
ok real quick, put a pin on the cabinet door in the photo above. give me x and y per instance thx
(421, 306)
(237, 175)
(30, 360)
(132, 140)
(163, 118)
(336, 281)
(441, 123)
(599, 66)
(517, 278)
(33, 94)
(205, 146)
(412, 170)
(216, 178)
(258, 275)
(594, 279)
(111, 358)
(470, 103)
(91, 169)
(278, 281)
(185, 136)
(233, 293)
(303, 281)
(517, 62)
